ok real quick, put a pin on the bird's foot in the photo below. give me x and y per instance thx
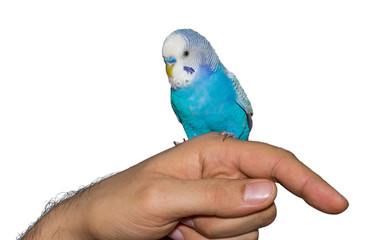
(177, 143)
(227, 134)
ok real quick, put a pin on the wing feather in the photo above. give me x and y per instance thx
(242, 99)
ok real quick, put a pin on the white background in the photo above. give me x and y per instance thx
(84, 93)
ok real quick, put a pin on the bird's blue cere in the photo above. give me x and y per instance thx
(205, 96)
(170, 59)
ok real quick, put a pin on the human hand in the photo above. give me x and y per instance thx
(215, 188)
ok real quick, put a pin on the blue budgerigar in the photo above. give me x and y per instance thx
(205, 96)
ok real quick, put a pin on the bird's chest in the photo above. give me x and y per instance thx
(196, 103)
(201, 102)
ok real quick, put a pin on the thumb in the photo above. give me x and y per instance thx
(221, 197)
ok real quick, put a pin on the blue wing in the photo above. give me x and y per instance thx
(242, 99)
(176, 112)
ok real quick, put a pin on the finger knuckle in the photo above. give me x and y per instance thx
(210, 227)
(288, 154)
(217, 194)
(208, 231)
(254, 235)
(268, 216)
(272, 214)
(250, 236)
(150, 195)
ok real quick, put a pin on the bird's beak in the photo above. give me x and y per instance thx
(170, 61)
(169, 69)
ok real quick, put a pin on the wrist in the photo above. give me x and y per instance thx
(64, 221)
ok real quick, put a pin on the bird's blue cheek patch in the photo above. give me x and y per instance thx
(189, 70)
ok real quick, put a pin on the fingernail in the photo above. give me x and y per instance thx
(176, 235)
(258, 192)
(188, 222)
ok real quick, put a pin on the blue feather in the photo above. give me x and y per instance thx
(209, 104)
(213, 101)
(188, 70)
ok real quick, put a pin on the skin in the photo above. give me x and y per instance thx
(204, 188)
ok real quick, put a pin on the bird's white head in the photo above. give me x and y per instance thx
(186, 53)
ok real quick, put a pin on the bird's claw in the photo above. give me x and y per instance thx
(177, 143)
(227, 134)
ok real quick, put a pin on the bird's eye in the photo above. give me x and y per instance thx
(186, 53)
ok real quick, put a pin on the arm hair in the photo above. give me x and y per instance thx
(61, 198)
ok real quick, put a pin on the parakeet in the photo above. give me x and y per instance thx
(205, 96)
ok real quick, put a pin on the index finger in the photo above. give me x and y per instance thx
(260, 160)
(237, 158)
